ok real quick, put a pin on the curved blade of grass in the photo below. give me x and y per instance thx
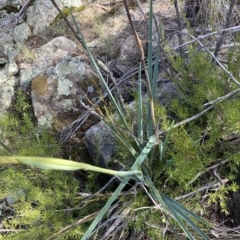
(190, 222)
(163, 145)
(140, 112)
(149, 62)
(124, 141)
(181, 224)
(156, 70)
(143, 155)
(183, 209)
(135, 166)
(177, 212)
(167, 208)
(118, 134)
(180, 211)
(105, 209)
(62, 164)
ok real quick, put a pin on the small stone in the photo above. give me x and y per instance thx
(3, 56)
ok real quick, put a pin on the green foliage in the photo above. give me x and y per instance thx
(198, 82)
(187, 157)
(194, 146)
(42, 208)
(208, 139)
(168, 164)
(39, 200)
(19, 133)
(221, 196)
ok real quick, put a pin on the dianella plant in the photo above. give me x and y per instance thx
(147, 146)
(143, 204)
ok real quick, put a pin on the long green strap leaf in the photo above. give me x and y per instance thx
(105, 209)
(149, 62)
(183, 209)
(143, 155)
(62, 164)
(140, 111)
(135, 166)
(177, 212)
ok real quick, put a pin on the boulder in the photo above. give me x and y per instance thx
(46, 57)
(100, 142)
(59, 83)
(10, 4)
(44, 10)
(129, 55)
(21, 33)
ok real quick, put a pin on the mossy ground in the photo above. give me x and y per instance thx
(48, 201)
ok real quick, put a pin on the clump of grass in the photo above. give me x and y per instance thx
(26, 53)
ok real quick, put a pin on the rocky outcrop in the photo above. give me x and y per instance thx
(15, 32)
(59, 83)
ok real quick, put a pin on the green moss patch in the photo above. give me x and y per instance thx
(39, 84)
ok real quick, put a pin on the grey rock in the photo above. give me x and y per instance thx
(3, 56)
(100, 142)
(44, 10)
(8, 70)
(129, 55)
(7, 91)
(21, 33)
(167, 91)
(173, 42)
(6, 40)
(59, 83)
(7, 80)
(10, 3)
(46, 57)
(12, 199)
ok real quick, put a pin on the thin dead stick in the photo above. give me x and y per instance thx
(154, 202)
(105, 68)
(6, 147)
(141, 9)
(197, 191)
(66, 21)
(220, 40)
(180, 27)
(9, 230)
(192, 118)
(17, 17)
(81, 221)
(160, 132)
(220, 99)
(216, 60)
(231, 30)
(208, 169)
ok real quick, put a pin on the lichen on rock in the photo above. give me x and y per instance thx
(63, 87)
(46, 121)
(74, 66)
(39, 84)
